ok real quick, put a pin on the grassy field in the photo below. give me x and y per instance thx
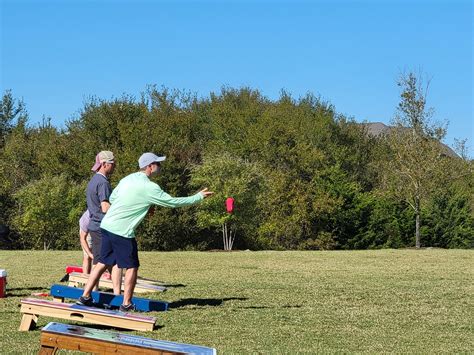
(402, 301)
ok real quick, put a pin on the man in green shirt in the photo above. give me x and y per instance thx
(130, 202)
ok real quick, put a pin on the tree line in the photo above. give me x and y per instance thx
(302, 175)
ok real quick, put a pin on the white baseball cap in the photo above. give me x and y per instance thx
(149, 158)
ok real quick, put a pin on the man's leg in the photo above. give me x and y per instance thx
(116, 275)
(90, 258)
(86, 244)
(94, 277)
(86, 264)
(95, 287)
(129, 287)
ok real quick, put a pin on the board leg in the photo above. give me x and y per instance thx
(47, 350)
(28, 321)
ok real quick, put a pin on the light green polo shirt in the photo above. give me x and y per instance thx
(130, 202)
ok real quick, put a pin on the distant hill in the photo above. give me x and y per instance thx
(376, 129)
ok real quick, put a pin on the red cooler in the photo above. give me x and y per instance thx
(3, 283)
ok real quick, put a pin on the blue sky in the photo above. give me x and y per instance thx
(56, 54)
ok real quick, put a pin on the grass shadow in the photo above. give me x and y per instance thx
(172, 285)
(26, 288)
(26, 291)
(271, 307)
(37, 327)
(108, 327)
(202, 302)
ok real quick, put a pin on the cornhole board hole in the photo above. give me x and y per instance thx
(60, 292)
(76, 280)
(31, 308)
(55, 336)
(106, 275)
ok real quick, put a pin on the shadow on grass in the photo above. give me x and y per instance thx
(268, 307)
(203, 302)
(98, 326)
(108, 327)
(11, 292)
(173, 285)
(26, 289)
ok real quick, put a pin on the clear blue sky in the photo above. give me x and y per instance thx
(55, 54)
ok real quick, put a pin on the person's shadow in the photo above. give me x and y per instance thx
(172, 285)
(203, 302)
(12, 292)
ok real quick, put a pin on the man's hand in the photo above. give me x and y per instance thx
(205, 193)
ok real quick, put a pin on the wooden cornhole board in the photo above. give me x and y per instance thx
(60, 292)
(32, 308)
(106, 275)
(55, 336)
(77, 279)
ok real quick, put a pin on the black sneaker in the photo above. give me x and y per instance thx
(85, 301)
(127, 308)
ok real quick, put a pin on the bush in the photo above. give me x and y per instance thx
(47, 213)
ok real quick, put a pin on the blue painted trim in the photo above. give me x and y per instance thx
(141, 304)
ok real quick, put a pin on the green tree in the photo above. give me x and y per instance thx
(302, 175)
(48, 212)
(387, 223)
(16, 167)
(450, 220)
(416, 164)
(230, 176)
(10, 109)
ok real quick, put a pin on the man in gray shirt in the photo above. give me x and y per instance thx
(97, 194)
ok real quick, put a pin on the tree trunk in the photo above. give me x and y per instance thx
(417, 224)
(224, 236)
(227, 238)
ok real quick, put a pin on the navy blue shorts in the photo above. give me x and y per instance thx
(118, 250)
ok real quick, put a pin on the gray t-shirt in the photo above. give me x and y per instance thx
(98, 190)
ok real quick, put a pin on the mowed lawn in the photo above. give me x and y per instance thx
(404, 301)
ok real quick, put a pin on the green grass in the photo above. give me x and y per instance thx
(403, 301)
